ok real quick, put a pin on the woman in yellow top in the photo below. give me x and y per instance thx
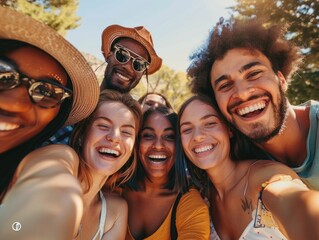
(151, 192)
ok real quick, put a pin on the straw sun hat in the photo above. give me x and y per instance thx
(140, 34)
(23, 28)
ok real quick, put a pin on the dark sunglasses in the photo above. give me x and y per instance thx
(123, 55)
(45, 93)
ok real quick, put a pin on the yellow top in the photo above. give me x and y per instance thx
(192, 220)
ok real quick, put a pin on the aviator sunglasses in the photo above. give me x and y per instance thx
(123, 55)
(45, 93)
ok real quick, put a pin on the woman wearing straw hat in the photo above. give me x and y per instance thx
(45, 83)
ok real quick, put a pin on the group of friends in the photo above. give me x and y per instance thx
(237, 161)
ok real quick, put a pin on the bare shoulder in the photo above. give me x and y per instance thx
(268, 170)
(115, 202)
(117, 212)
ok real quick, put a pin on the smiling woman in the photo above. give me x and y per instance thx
(41, 89)
(260, 195)
(105, 144)
(153, 184)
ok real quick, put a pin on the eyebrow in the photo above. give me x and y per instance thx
(132, 52)
(202, 118)
(110, 121)
(152, 129)
(242, 69)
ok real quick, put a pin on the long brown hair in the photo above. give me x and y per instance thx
(83, 127)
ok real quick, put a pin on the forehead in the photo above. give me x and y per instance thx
(196, 110)
(116, 112)
(157, 120)
(234, 59)
(134, 46)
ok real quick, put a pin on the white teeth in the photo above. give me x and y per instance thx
(109, 151)
(251, 108)
(158, 156)
(203, 149)
(123, 77)
(8, 126)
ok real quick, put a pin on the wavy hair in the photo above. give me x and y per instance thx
(251, 34)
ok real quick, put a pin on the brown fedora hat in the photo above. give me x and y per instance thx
(140, 34)
(17, 26)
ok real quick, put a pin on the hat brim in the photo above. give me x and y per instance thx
(17, 26)
(115, 31)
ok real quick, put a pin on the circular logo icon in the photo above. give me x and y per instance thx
(16, 226)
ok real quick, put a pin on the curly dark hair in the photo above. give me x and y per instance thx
(251, 34)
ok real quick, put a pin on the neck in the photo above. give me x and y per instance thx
(223, 176)
(155, 186)
(289, 146)
(92, 196)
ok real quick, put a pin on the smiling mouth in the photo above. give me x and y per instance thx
(109, 152)
(8, 126)
(157, 158)
(252, 110)
(122, 77)
(203, 149)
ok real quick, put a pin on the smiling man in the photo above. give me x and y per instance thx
(247, 68)
(129, 53)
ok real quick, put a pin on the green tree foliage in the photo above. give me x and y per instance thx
(303, 29)
(59, 14)
(173, 85)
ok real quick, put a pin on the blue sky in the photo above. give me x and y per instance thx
(178, 27)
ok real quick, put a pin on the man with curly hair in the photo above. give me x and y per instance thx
(246, 67)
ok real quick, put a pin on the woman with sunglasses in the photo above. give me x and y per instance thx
(44, 83)
(156, 209)
(105, 143)
(249, 199)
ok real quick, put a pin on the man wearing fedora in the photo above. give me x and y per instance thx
(129, 53)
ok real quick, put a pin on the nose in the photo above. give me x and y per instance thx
(113, 136)
(198, 134)
(243, 90)
(158, 143)
(15, 100)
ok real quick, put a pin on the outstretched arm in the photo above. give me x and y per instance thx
(45, 198)
(294, 206)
